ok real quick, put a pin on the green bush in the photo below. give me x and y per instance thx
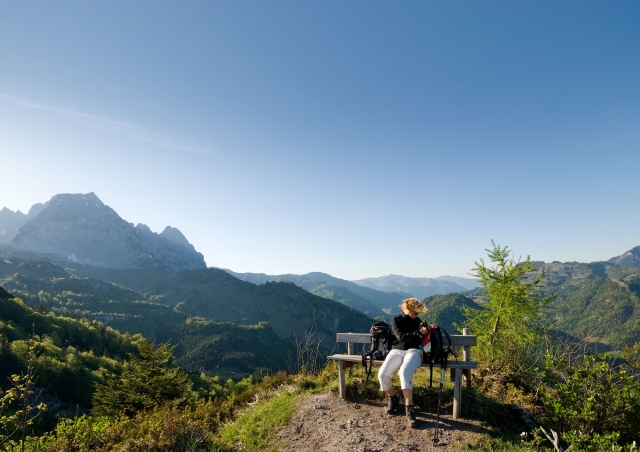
(147, 383)
(594, 404)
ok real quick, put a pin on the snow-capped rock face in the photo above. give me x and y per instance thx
(82, 229)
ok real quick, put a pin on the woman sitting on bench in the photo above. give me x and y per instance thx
(405, 356)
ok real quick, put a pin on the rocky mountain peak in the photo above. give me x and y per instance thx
(172, 247)
(36, 209)
(630, 258)
(10, 223)
(176, 236)
(81, 228)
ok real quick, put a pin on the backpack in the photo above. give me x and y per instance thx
(382, 339)
(436, 348)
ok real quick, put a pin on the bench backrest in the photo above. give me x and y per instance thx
(457, 340)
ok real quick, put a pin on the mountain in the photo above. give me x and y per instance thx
(171, 247)
(80, 228)
(417, 287)
(467, 283)
(155, 302)
(447, 310)
(367, 300)
(215, 294)
(11, 222)
(631, 258)
(605, 310)
(319, 288)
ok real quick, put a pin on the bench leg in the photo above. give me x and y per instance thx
(343, 387)
(457, 394)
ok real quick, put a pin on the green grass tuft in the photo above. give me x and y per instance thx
(256, 428)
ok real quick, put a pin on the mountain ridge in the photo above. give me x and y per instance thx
(80, 228)
(417, 287)
(375, 301)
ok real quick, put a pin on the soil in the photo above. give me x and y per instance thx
(326, 423)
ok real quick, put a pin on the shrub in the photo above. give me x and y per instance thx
(594, 404)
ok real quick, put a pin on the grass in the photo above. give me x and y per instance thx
(489, 444)
(256, 428)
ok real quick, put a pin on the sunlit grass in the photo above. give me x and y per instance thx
(256, 429)
(489, 444)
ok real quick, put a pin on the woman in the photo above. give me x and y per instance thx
(405, 356)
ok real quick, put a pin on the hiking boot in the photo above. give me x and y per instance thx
(392, 404)
(411, 416)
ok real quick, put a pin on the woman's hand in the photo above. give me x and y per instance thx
(423, 330)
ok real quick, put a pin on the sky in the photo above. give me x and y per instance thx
(359, 138)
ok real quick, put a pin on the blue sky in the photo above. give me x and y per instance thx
(357, 138)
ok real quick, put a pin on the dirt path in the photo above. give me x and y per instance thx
(326, 423)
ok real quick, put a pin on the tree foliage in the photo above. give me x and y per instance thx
(149, 382)
(19, 405)
(513, 314)
(594, 403)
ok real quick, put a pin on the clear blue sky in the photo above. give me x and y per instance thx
(357, 138)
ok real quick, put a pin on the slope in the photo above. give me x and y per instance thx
(154, 302)
(352, 294)
(447, 310)
(321, 288)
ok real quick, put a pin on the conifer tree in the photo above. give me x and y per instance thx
(148, 382)
(513, 314)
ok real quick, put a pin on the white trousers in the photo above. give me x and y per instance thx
(407, 361)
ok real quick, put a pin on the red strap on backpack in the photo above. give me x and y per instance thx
(427, 338)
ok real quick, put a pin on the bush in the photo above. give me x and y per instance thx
(594, 404)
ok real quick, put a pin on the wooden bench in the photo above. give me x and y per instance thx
(463, 365)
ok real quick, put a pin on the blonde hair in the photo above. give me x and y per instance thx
(412, 304)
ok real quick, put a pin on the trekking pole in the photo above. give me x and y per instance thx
(436, 433)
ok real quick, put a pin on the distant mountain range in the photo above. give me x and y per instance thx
(370, 301)
(79, 228)
(419, 287)
(372, 296)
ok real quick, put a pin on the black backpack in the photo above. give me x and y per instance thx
(382, 339)
(440, 350)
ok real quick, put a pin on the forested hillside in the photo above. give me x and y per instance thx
(599, 302)
(72, 355)
(161, 303)
(447, 310)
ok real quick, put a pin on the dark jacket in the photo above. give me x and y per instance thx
(407, 332)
